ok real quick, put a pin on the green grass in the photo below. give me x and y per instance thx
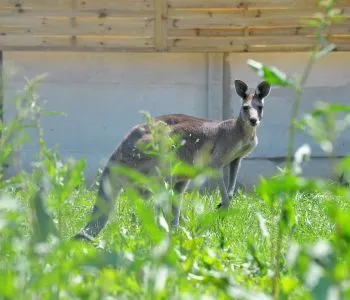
(207, 257)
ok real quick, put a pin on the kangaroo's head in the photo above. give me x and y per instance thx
(253, 103)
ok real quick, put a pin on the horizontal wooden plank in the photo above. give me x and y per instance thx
(214, 19)
(40, 25)
(339, 38)
(233, 31)
(140, 27)
(25, 6)
(239, 40)
(114, 26)
(257, 48)
(291, 48)
(92, 5)
(343, 28)
(13, 7)
(253, 48)
(101, 14)
(234, 4)
(77, 49)
(112, 42)
(32, 41)
(227, 43)
(83, 26)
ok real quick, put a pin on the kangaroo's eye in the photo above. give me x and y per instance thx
(245, 107)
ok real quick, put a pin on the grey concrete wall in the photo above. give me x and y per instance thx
(103, 93)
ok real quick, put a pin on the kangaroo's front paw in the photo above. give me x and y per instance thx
(175, 223)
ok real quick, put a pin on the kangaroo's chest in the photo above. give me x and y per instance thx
(240, 150)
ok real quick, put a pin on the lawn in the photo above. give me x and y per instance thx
(212, 255)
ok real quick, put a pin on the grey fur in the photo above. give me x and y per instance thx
(229, 141)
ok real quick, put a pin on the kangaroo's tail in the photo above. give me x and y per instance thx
(103, 206)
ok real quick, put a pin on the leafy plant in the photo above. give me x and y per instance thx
(280, 192)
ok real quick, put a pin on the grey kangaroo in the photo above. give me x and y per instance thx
(229, 140)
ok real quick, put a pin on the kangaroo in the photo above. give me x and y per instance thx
(230, 141)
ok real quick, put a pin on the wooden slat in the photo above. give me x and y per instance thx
(280, 48)
(342, 28)
(113, 42)
(290, 48)
(339, 39)
(237, 41)
(292, 30)
(228, 43)
(229, 22)
(81, 42)
(21, 23)
(12, 41)
(230, 4)
(23, 6)
(234, 31)
(257, 48)
(71, 13)
(240, 18)
(84, 26)
(93, 5)
(115, 26)
(77, 49)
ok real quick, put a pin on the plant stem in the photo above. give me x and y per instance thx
(276, 276)
(299, 90)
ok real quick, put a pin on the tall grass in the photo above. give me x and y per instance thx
(287, 239)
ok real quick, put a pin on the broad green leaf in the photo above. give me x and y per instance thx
(270, 74)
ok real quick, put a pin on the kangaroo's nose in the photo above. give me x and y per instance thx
(253, 121)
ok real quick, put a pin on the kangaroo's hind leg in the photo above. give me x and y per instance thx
(179, 189)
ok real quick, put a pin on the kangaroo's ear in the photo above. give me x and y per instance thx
(263, 89)
(241, 88)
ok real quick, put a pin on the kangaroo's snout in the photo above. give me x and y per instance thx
(253, 121)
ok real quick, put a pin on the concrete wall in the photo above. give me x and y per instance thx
(102, 94)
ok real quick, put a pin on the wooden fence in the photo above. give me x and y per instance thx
(165, 25)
